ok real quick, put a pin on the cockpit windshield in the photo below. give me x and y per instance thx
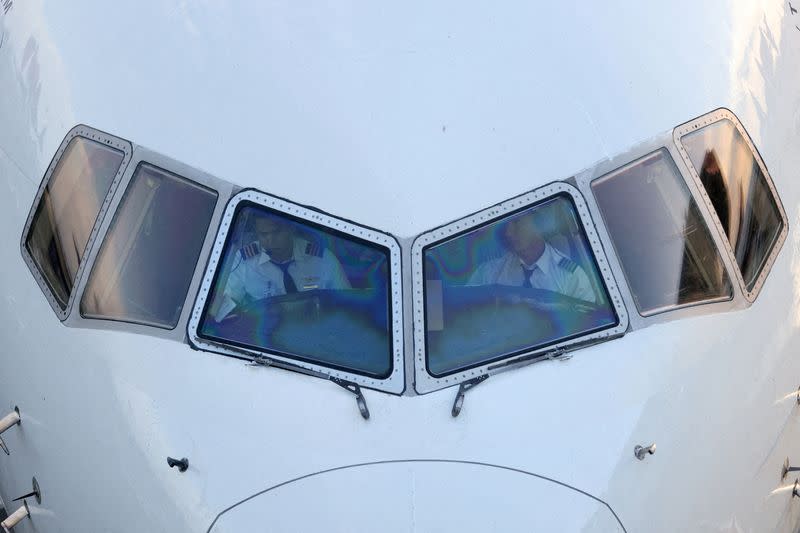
(518, 284)
(296, 289)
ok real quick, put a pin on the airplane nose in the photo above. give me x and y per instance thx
(403, 496)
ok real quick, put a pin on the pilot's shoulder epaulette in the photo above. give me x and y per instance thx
(568, 264)
(249, 250)
(314, 249)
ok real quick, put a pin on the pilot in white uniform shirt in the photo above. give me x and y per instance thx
(532, 262)
(553, 271)
(304, 266)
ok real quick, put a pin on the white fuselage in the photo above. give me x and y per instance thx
(401, 118)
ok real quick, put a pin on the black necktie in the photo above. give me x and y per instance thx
(288, 282)
(527, 272)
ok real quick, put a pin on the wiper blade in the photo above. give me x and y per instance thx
(557, 354)
(257, 359)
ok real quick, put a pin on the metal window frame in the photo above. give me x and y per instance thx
(698, 123)
(638, 320)
(425, 382)
(224, 189)
(395, 382)
(92, 134)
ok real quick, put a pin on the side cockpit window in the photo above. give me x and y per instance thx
(739, 191)
(75, 191)
(289, 287)
(515, 284)
(666, 251)
(148, 257)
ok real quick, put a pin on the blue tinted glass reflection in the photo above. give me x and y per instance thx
(291, 288)
(520, 283)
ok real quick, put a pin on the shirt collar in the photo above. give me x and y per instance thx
(265, 258)
(543, 263)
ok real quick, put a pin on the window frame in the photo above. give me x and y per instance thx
(705, 218)
(425, 381)
(224, 190)
(395, 382)
(101, 137)
(141, 165)
(584, 180)
(707, 119)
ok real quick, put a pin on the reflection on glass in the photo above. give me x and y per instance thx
(145, 266)
(67, 212)
(517, 284)
(665, 248)
(739, 192)
(292, 288)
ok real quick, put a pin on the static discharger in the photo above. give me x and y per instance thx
(11, 419)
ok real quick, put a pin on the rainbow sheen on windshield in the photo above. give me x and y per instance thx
(515, 285)
(295, 289)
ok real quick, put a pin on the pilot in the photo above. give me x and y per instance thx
(533, 263)
(279, 262)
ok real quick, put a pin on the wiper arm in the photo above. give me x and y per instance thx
(356, 390)
(462, 389)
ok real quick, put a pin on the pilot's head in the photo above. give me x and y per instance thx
(276, 237)
(521, 237)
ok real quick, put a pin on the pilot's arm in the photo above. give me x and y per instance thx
(233, 294)
(577, 285)
(487, 273)
(335, 278)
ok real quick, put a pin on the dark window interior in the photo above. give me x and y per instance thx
(68, 210)
(144, 268)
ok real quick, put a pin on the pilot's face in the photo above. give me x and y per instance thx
(521, 235)
(276, 238)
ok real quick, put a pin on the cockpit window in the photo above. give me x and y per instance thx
(739, 192)
(143, 270)
(663, 244)
(67, 211)
(303, 291)
(520, 283)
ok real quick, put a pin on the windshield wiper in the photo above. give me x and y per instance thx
(557, 354)
(257, 359)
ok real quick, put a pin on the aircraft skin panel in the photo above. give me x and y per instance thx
(425, 495)
(401, 119)
(366, 100)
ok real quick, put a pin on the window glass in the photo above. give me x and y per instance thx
(739, 193)
(67, 212)
(505, 288)
(146, 262)
(304, 291)
(665, 248)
